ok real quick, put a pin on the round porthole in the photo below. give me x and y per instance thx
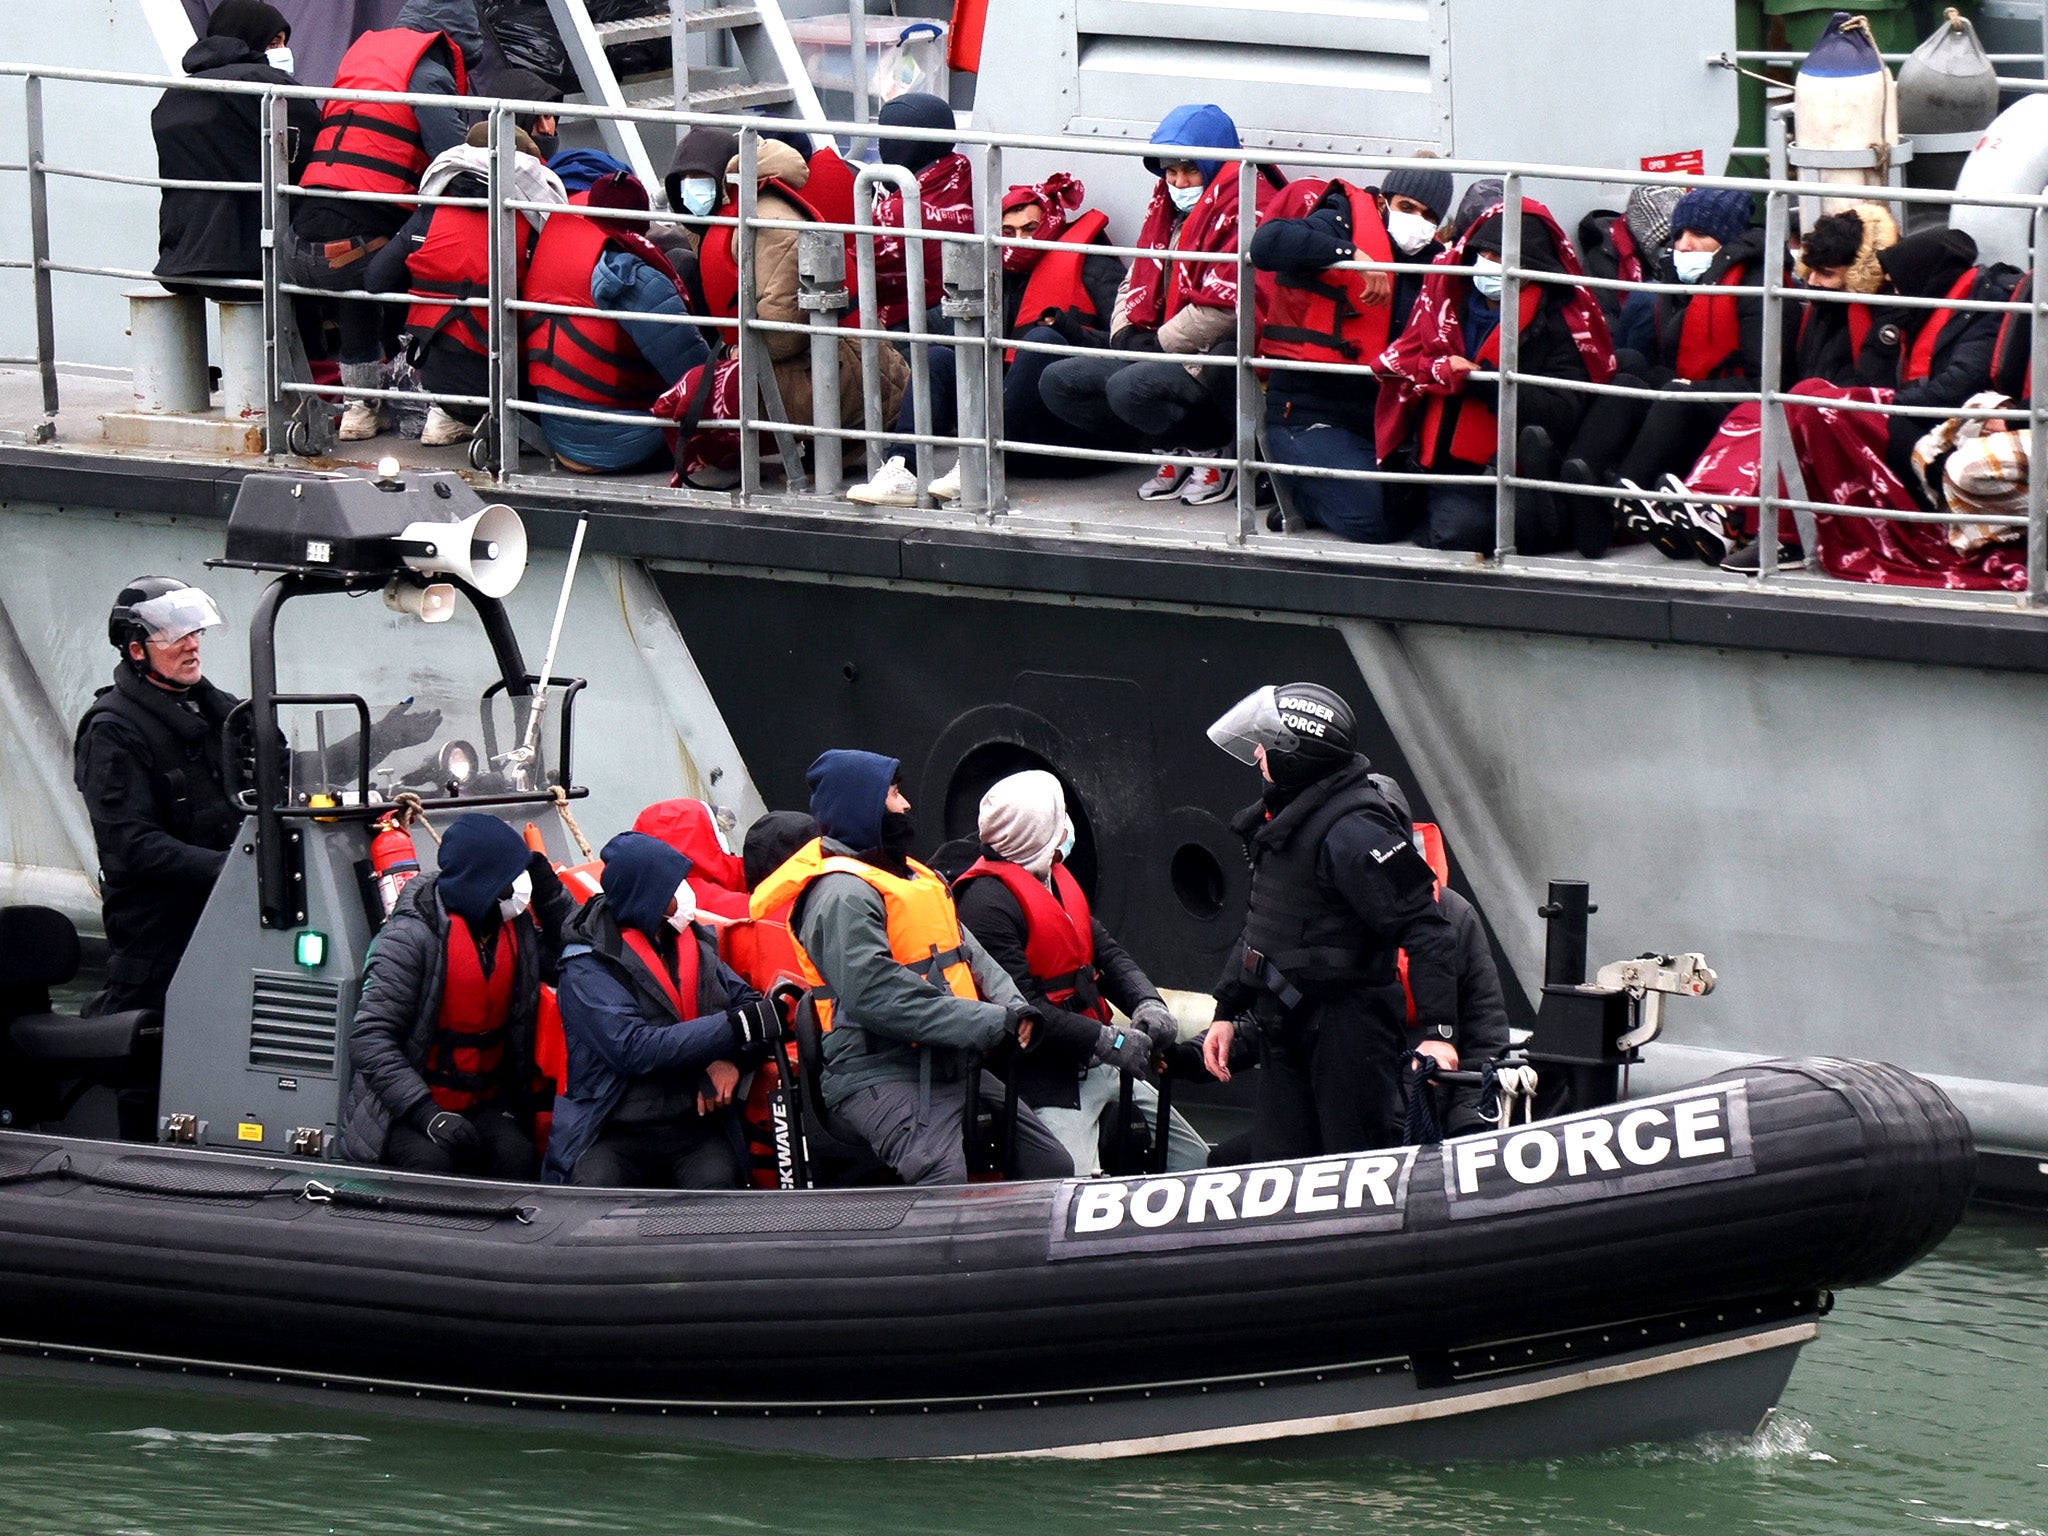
(1197, 879)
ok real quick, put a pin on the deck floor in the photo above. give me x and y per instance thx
(1096, 508)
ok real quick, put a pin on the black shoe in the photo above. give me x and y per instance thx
(1655, 522)
(1748, 560)
(1592, 517)
(1275, 522)
(1535, 454)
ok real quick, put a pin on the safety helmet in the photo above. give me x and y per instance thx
(1306, 730)
(160, 608)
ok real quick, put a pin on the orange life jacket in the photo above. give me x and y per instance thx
(923, 928)
(1477, 435)
(1920, 361)
(761, 950)
(589, 359)
(1323, 318)
(1431, 836)
(1055, 282)
(1059, 943)
(464, 1064)
(1711, 331)
(375, 146)
(454, 262)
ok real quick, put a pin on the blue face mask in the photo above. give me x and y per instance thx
(1184, 198)
(1067, 844)
(1691, 266)
(700, 195)
(1487, 281)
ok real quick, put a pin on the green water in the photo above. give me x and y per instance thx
(1922, 1408)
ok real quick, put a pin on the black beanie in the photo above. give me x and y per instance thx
(919, 109)
(251, 21)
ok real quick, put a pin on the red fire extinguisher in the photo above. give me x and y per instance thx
(393, 861)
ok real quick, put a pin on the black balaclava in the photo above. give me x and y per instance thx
(249, 21)
(1926, 265)
(916, 110)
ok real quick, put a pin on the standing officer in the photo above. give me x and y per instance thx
(1337, 889)
(148, 759)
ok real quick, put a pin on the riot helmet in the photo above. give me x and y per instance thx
(1305, 729)
(159, 608)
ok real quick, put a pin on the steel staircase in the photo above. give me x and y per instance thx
(722, 58)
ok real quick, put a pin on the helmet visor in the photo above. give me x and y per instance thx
(171, 616)
(1251, 723)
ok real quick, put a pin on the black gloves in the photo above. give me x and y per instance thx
(1156, 1019)
(546, 883)
(1125, 1047)
(451, 1132)
(1069, 324)
(1136, 338)
(1016, 1016)
(756, 1025)
(402, 727)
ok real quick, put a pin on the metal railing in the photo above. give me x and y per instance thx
(973, 302)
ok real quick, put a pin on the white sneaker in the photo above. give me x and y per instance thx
(1209, 483)
(947, 486)
(894, 485)
(442, 429)
(1166, 480)
(363, 420)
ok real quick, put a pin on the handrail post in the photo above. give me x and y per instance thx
(748, 343)
(991, 364)
(870, 348)
(2037, 426)
(912, 194)
(857, 70)
(821, 294)
(966, 305)
(1247, 385)
(280, 319)
(1510, 361)
(1773, 429)
(39, 243)
(504, 279)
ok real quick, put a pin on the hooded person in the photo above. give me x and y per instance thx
(1179, 307)
(1438, 418)
(384, 148)
(1311, 314)
(1059, 297)
(945, 182)
(696, 188)
(543, 126)
(906, 998)
(658, 1030)
(1632, 247)
(442, 1077)
(716, 874)
(759, 947)
(710, 457)
(206, 136)
(1027, 909)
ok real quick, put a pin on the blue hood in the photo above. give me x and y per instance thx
(848, 790)
(641, 874)
(480, 856)
(1200, 126)
(581, 168)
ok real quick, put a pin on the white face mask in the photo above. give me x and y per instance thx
(1184, 198)
(700, 195)
(1691, 266)
(686, 908)
(521, 898)
(279, 58)
(1487, 278)
(1410, 232)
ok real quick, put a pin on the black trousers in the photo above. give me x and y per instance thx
(702, 1155)
(1330, 1082)
(1164, 404)
(507, 1152)
(1642, 440)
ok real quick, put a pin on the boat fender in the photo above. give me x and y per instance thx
(2011, 159)
(1844, 104)
(1948, 95)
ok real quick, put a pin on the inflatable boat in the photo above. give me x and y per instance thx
(1644, 1271)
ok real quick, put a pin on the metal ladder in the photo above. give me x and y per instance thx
(723, 58)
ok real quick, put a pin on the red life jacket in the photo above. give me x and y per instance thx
(679, 985)
(464, 1064)
(1477, 435)
(1711, 331)
(1059, 945)
(1055, 282)
(454, 262)
(718, 264)
(1324, 318)
(1438, 858)
(590, 360)
(375, 146)
(1920, 362)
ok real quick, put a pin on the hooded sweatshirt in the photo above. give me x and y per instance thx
(480, 857)
(848, 794)
(690, 828)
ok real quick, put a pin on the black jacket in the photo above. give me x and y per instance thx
(149, 764)
(400, 1010)
(1821, 345)
(201, 136)
(1747, 361)
(1960, 368)
(1482, 1008)
(1050, 1075)
(1313, 243)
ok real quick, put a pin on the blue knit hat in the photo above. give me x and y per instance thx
(1720, 213)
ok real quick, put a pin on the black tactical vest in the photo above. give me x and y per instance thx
(184, 752)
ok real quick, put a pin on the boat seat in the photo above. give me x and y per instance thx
(63, 1039)
(50, 1061)
(831, 1141)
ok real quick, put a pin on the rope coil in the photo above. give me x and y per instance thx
(411, 810)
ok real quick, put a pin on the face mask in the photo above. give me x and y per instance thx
(686, 908)
(1691, 266)
(1067, 843)
(1184, 198)
(899, 831)
(1487, 278)
(521, 898)
(547, 144)
(1410, 232)
(700, 195)
(279, 58)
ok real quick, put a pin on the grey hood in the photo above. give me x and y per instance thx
(455, 17)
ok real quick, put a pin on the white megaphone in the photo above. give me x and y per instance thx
(488, 550)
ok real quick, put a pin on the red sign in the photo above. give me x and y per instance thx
(1687, 162)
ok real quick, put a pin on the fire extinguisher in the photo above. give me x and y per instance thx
(393, 861)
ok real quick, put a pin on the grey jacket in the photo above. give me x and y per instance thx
(889, 1025)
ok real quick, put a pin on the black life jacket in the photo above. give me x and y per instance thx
(1295, 934)
(184, 755)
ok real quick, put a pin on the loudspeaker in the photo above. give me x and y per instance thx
(487, 550)
(431, 602)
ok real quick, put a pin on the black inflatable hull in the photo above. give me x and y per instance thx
(1644, 1272)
